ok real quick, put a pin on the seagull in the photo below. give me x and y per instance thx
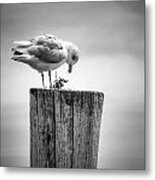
(46, 53)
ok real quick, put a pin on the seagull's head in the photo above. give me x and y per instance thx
(73, 56)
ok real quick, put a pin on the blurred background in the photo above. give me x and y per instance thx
(110, 36)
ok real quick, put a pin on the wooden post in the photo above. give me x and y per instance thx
(65, 128)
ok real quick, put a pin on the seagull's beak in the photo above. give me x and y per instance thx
(70, 67)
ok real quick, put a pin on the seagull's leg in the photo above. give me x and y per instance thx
(42, 77)
(56, 77)
(50, 79)
(56, 81)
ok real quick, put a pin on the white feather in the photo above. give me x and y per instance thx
(23, 44)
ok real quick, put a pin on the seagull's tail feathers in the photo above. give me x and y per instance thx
(22, 58)
(23, 44)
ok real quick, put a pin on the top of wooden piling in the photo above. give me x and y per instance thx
(65, 91)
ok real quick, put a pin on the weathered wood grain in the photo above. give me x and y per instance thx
(65, 128)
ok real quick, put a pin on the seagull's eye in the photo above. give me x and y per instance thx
(73, 57)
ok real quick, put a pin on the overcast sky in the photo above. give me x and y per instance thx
(110, 36)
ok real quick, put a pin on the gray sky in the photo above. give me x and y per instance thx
(110, 36)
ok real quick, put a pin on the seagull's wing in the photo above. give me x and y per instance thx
(46, 54)
(47, 40)
(35, 50)
(23, 44)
